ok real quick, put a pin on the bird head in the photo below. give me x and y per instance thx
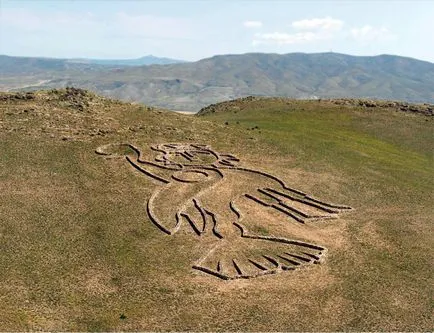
(192, 155)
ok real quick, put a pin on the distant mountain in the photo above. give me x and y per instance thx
(27, 65)
(146, 60)
(190, 86)
(31, 65)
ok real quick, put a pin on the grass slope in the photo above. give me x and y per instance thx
(78, 252)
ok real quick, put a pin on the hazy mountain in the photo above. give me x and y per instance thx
(35, 65)
(27, 65)
(146, 60)
(190, 86)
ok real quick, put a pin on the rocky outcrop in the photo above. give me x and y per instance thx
(426, 109)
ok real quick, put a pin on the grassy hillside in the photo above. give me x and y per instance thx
(79, 252)
(190, 86)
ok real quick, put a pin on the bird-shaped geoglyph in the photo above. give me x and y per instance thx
(220, 201)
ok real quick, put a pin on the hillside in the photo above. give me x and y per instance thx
(264, 215)
(241, 104)
(191, 86)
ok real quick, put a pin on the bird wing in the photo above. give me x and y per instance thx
(249, 257)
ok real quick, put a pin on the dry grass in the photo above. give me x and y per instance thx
(77, 249)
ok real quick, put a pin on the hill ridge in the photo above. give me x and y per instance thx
(191, 86)
(426, 109)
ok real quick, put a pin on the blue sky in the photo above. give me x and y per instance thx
(192, 30)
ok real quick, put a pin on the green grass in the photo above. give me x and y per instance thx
(397, 145)
(385, 162)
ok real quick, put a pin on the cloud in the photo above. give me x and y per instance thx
(303, 31)
(52, 27)
(87, 24)
(20, 19)
(282, 38)
(326, 24)
(252, 24)
(148, 26)
(368, 33)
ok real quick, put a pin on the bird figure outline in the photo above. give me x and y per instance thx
(222, 202)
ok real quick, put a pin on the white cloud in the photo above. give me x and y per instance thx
(326, 24)
(281, 38)
(252, 24)
(303, 31)
(369, 33)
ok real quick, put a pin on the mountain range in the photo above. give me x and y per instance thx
(146, 60)
(191, 85)
(28, 65)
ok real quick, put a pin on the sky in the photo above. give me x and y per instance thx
(192, 30)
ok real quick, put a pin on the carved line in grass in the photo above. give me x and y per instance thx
(295, 261)
(273, 264)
